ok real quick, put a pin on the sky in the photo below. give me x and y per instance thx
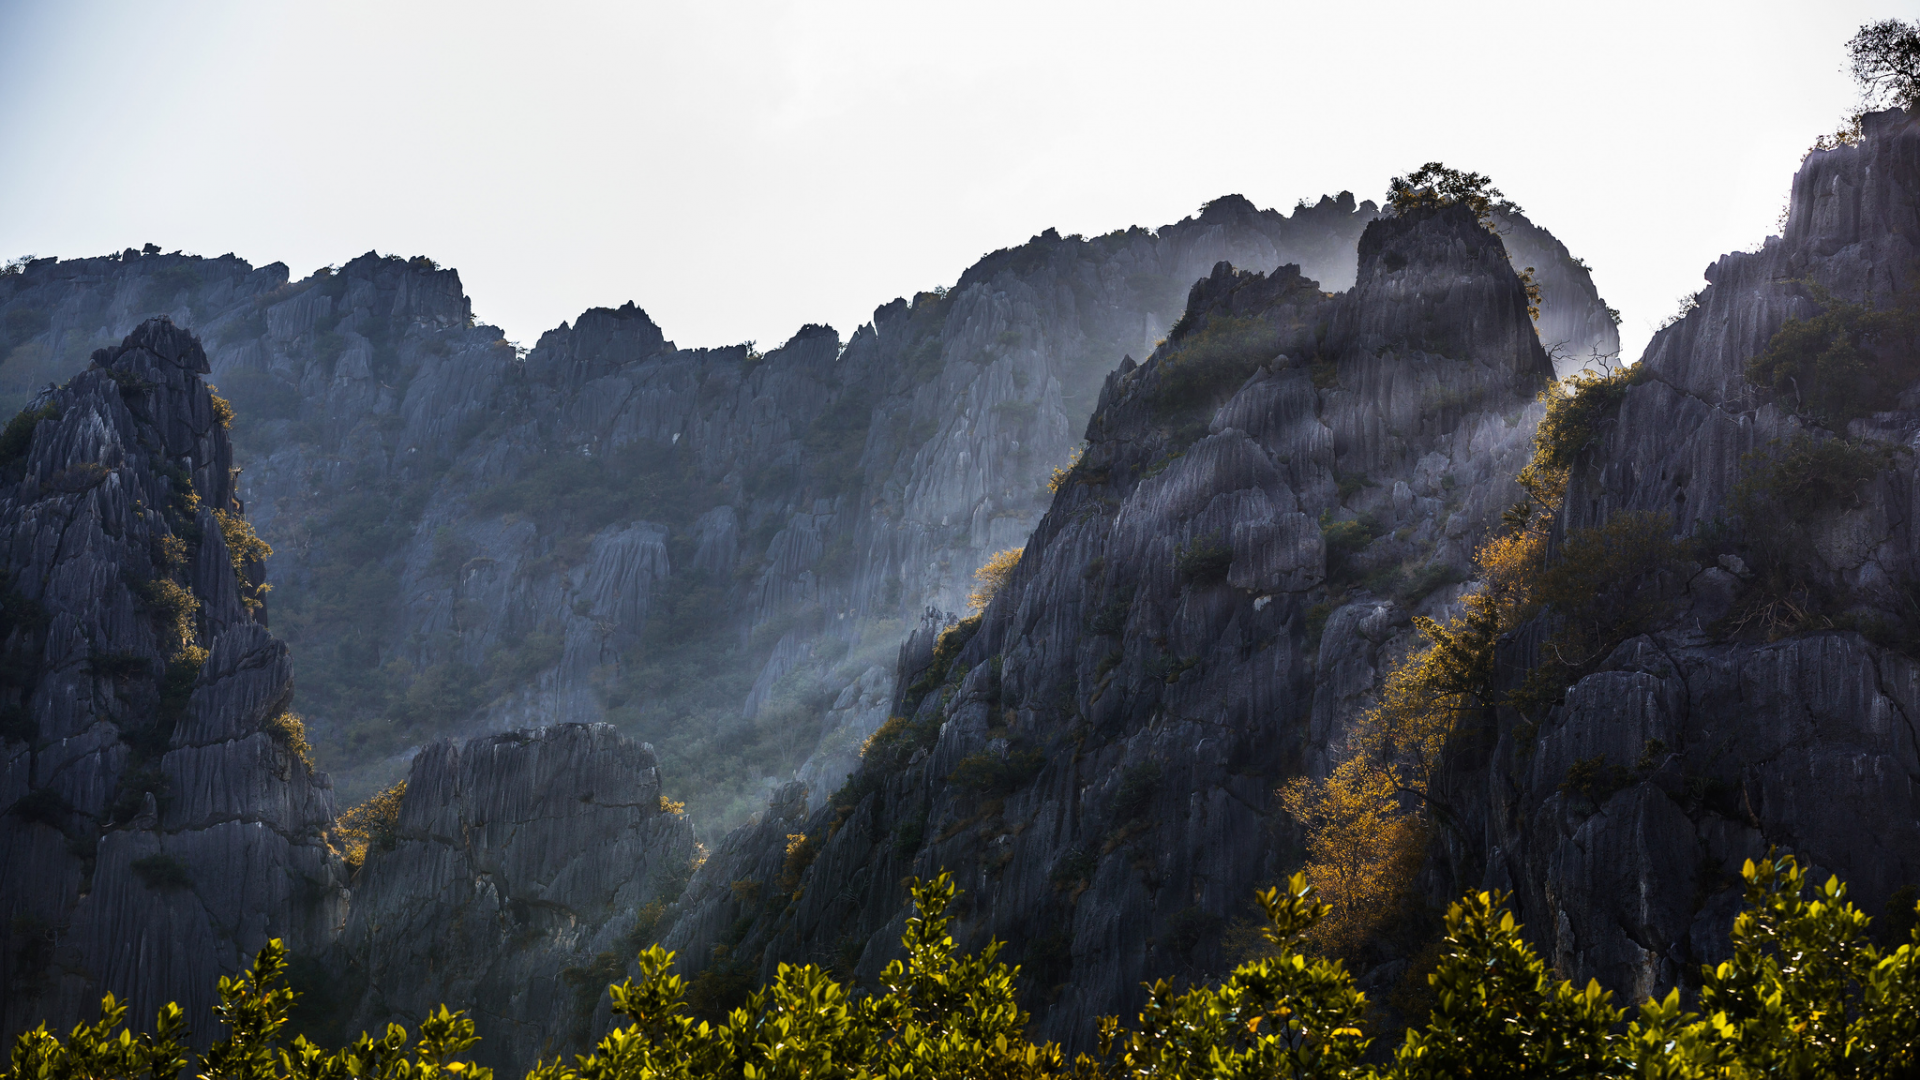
(740, 169)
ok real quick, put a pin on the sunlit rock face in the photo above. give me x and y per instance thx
(470, 538)
(1733, 743)
(1575, 328)
(159, 828)
(519, 860)
(1178, 638)
(744, 557)
(1194, 622)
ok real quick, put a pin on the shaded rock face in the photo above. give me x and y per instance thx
(519, 860)
(471, 538)
(1726, 744)
(1575, 330)
(157, 830)
(1261, 507)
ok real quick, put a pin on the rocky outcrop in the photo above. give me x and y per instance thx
(1576, 331)
(720, 550)
(452, 553)
(517, 885)
(1719, 740)
(1261, 506)
(1220, 584)
(160, 821)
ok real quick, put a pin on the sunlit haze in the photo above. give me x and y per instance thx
(741, 169)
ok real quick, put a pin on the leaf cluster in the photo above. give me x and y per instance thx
(1846, 362)
(1885, 58)
(1806, 994)
(1207, 364)
(992, 576)
(372, 824)
(245, 550)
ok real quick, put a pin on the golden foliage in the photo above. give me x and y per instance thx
(291, 732)
(1064, 473)
(670, 806)
(173, 552)
(244, 549)
(1363, 843)
(1532, 288)
(800, 855)
(372, 824)
(992, 575)
(1363, 849)
(244, 546)
(177, 603)
(222, 408)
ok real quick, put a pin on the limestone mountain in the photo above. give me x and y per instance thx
(1771, 702)
(748, 560)
(718, 550)
(1262, 505)
(162, 821)
(1219, 586)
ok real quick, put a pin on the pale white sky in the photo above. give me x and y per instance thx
(739, 169)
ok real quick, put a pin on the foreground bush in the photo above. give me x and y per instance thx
(1806, 994)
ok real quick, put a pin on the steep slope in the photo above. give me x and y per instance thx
(1576, 333)
(1261, 506)
(160, 820)
(1773, 701)
(716, 550)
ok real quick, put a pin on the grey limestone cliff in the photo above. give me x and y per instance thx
(470, 537)
(1261, 507)
(160, 824)
(515, 886)
(1221, 582)
(1730, 734)
(721, 550)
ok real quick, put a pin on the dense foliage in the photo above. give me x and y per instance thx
(1843, 362)
(373, 824)
(1434, 185)
(1885, 57)
(1805, 994)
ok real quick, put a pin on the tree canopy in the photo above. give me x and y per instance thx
(1885, 59)
(1805, 994)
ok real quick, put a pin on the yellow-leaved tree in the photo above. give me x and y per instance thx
(1366, 824)
(991, 576)
(1362, 850)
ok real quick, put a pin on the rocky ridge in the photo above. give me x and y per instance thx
(397, 442)
(161, 821)
(779, 521)
(1261, 507)
(1095, 758)
(1723, 737)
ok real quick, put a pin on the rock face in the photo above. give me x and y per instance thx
(721, 550)
(1730, 743)
(160, 824)
(521, 866)
(1221, 582)
(1576, 332)
(1261, 506)
(468, 537)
